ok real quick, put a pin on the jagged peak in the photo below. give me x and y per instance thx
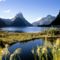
(19, 15)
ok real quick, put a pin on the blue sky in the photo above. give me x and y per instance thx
(32, 10)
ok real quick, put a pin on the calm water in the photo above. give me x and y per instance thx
(26, 53)
(23, 29)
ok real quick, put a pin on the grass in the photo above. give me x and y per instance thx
(1, 53)
(9, 38)
(52, 54)
(0, 57)
(41, 51)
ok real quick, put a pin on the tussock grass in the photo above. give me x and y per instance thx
(49, 52)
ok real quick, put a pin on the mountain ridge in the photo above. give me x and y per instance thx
(44, 21)
(17, 21)
(56, 22)
(20, 21)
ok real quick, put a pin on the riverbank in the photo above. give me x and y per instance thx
(13, 37)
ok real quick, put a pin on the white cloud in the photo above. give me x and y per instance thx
(7, 11)
(2, 0)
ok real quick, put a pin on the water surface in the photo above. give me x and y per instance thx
(23, 29)
(26, 47)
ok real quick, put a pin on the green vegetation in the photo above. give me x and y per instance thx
(12, 37)
(16, 54)
(8, 56)
(48, 52)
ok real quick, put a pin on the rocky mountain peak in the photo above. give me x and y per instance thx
(20, 15)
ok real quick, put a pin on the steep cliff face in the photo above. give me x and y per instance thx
(2, 23)
(20, 21)
(56, 22)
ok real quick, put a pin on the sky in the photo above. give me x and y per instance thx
(32, 10)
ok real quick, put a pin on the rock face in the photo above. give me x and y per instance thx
(2, 23)
(44, 21)
(18, 21)
(56, 22)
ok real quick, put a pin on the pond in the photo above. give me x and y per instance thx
(26, 53)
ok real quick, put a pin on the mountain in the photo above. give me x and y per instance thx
(56, 22)
(44, 21)
(20, 21)
(2, 23)
(8, 22)
(5, 22)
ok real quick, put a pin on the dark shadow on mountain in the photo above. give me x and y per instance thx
(17, 21)
(2, 23)
(20, 21)
(56, 22)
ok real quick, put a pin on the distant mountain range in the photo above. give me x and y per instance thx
(44, 21)
(17, 21)
(48, 21)
(20, 21)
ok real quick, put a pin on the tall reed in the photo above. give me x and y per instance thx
(16, 54)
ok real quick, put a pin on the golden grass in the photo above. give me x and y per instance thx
(11, 37)
(1, 50)
(54, 50)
